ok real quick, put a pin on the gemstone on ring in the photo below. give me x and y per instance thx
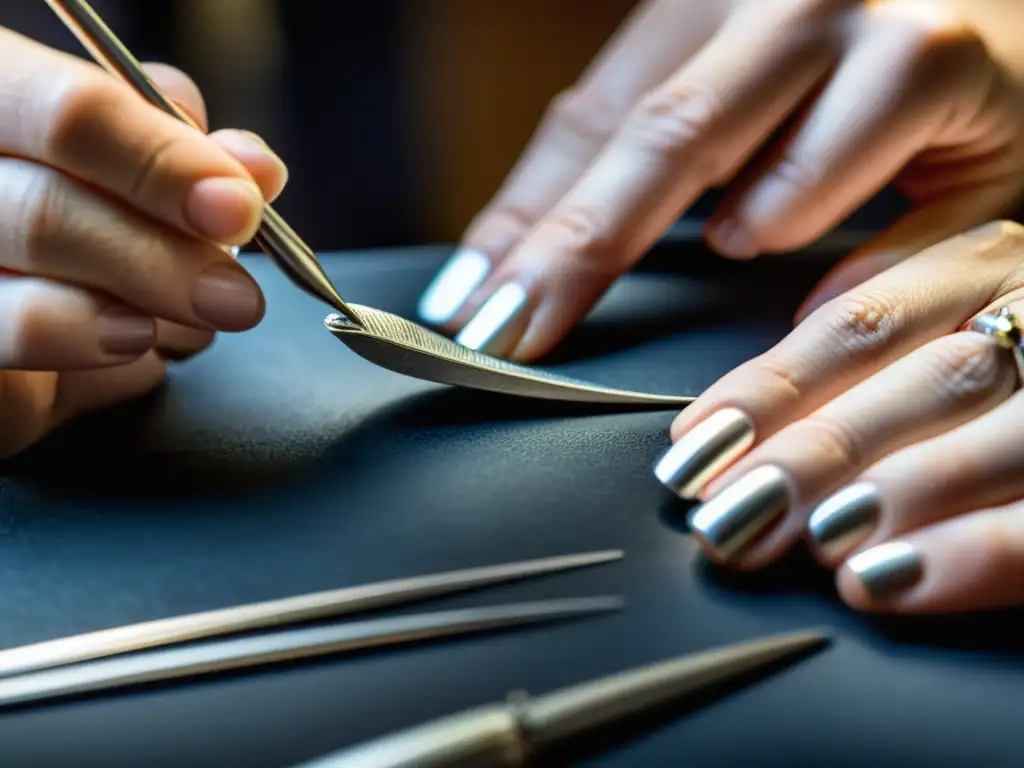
(1002, 326)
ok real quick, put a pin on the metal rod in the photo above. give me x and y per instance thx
(513, 733)
(278, 240)
(274, 613)
(290, 645)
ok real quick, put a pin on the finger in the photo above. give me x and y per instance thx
(759, 508)
(52, 227)
(32, 403)
(650, 45)
(687, 135)
(919, 229)
(265, 167)
(907, 77)
(974, 562)
(80, 392)
(49, 326)
(181, 89)
(840, 345)
(916, 231)
(179, 342)
(931, 551)
(66, 113)
(974, 466)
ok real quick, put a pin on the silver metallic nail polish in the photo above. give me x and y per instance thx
(732, 520)
(497, 322)
(705, 451)
(845, 520)
(887, 568)
(452, 285)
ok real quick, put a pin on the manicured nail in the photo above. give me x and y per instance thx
(450, 288)
(732, 240)
(887, 568)
(224, 210)
(227, 299)
(704, 451)
(845, 520)
(122, 331)
(498, 324)
(735, 518)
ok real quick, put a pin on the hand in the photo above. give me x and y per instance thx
(111, 213)
(689, 94)
(883, 432)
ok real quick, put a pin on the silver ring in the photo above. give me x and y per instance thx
(1005, 328)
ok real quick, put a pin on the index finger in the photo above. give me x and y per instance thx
(63, 112)
(685, 136)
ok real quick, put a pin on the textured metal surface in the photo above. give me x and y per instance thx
(410, 349)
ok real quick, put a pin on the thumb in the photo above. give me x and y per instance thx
(921, 228)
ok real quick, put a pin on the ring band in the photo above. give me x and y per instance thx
(1004, 327)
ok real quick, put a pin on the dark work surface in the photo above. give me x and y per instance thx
(279, 462)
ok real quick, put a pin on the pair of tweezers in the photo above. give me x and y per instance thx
(521, 731)
(170, 648)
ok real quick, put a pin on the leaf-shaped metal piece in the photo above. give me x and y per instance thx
(395, 343)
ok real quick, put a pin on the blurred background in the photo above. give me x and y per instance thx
(397, 118)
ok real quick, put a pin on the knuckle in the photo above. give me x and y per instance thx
(672, 119)
(834, 439)
(584, 115)
(934, 38)
(966, 365)
(768, 374)
(862, 324)
(48, 214)
(77, 109)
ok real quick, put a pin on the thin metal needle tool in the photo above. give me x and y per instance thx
(289, 645)
(516, 732)
(275, 237)
(276, 613)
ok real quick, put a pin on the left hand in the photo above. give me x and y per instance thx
(690, 95)
(882, 431)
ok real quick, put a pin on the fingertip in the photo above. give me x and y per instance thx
(853, 592)
(226, 210)
(265, 166)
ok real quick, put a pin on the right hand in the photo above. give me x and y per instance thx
(114, 218)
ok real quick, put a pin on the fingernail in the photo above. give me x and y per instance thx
(732, 240)
(704, 451)
(123, 331)
(845, 520)
(227, 299)
(224, 210)
(498, 323)
(450, 288)
(734, 519)
(887, 568)
(250, 145)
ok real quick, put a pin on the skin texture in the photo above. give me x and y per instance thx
(114, 222)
